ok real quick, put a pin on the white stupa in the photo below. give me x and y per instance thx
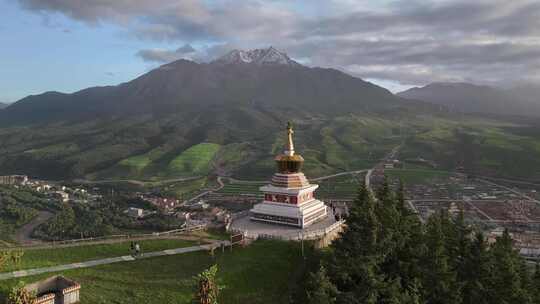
(289, 199)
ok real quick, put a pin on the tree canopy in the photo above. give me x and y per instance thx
(386, 255)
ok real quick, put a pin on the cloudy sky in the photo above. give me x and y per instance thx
(67, 45)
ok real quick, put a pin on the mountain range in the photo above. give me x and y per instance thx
(227, 117)
(142, 128)
(3, 105)
(260, 78)
(470, 98)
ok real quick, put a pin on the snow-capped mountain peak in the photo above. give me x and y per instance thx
(257, 56)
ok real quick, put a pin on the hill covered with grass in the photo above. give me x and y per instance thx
(189, 119)
(148, 149)
(264, 272)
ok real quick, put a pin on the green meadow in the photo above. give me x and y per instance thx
(37, 258)
(263, 272)
(194, 161)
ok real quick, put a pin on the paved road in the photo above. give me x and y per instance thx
(511, 190)
(24, 234)
(136, 182)
(368, 180)
(126, 258)
(337, 174)
(55, 245)
(221, 185)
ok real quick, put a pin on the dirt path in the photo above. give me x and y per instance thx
(30, 272)
(136, 182)
(24, 234)
(221, 185)
(52, 245)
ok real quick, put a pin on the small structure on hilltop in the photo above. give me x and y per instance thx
(55, 290)
(18, 180)
(62, 196)
(134, 212)
(289, 199)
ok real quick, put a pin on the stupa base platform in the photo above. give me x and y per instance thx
(291, 215)
(258, 229)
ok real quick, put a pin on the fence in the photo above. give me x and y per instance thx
(111, 238)
(181, 230)
(295, 236)
(235, 216)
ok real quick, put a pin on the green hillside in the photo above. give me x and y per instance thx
(194, 161)
(479, 147)
(264, 272)
(154, 149)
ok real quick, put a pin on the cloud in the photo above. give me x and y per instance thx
(163, 56)
(408, 41)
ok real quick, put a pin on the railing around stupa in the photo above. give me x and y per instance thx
(306, 234)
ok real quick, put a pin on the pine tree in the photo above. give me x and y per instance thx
(319, 289)
(508, 285)
(459, 245)
(357, 254)
(404, 262)
(400, 200)
(389, 216)
(475, 274)
(207, 290)
(386, 255)
(19, 295)
(362, 234)
(439, 280)
(535, 285)
(4, 258)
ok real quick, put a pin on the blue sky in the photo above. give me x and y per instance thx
(68, 45)
(41, 52)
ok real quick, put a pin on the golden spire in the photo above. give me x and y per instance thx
(290, 145)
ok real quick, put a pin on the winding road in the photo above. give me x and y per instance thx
(24, 234)
(136, 182)
(221, 185)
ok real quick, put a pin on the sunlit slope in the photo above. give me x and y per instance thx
(194, 161)
(150, 149)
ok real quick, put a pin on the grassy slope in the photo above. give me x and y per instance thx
(36, 258)
(194, 161)
(139, 162)
(147, 148)
(342, 187)
(260, 273)
(184, 190)
(482, 147)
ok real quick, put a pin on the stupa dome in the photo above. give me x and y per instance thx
(289, 162)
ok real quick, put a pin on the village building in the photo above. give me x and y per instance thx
(162, 203)
(55, 290)
(14, 180)
(134, 212)
(61, 196)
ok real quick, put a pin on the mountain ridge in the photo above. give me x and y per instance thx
(472, 98)
(185, 85)
(269, 55)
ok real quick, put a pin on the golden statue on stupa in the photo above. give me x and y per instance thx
(289, 162)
